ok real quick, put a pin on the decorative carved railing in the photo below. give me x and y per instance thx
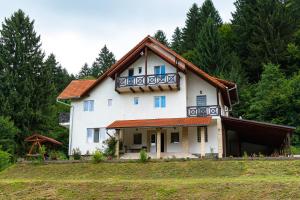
(151, 80)
(203, 111)
(64, 118)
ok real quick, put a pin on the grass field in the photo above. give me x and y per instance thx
(154, 180)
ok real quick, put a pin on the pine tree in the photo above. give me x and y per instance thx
(176, 43)
(262, 30)
(191, 29)
(208, 10)
(209, 49)
(161, 37)
(85, 71)
(27, 78)
(104, 61)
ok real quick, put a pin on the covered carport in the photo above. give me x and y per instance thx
(252, 137)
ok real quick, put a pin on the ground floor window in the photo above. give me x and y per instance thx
(199, 134)
(93, 135)
(175, 137)
(137, 138)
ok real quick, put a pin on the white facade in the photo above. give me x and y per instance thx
(110, 106)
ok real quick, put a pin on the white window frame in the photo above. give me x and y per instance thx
(109, 102)
(88, 105)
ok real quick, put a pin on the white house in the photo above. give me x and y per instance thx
(153, 98)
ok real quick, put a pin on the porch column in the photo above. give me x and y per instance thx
(158, 142)
(220, 138)
(202, 132)
(117, 154)
(185, 140)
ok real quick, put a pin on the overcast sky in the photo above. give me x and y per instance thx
(76, 30)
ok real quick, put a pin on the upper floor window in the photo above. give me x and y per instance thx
(93, 135)
(201, 100)
(109, 102)
(160, 101)
(135, 101)
(140, 70)
(160, 69)
(88, 105)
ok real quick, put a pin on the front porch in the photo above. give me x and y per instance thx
(169, 138)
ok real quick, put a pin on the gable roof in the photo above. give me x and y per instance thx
(227, 89)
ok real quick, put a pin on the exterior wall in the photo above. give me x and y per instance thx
(195, 84)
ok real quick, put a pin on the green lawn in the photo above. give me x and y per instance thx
(154, 180)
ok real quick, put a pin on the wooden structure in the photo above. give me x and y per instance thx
(39, 140)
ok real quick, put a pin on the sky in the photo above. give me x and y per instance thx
(76, 30)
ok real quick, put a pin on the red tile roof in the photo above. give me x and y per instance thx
(164, 122)
(75, 89)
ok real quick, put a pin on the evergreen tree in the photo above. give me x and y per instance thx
(176, 43)
(210, 56)
(27, 78)
(104, 61)
(208, 10)
(191, 29)
(85, 71)
(161, 37)
(262, 29)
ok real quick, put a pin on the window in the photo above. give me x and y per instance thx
(137, 138)
(160, 71)
(109, 102)
(153, 138)
(140, 70)
(93, 135)
(199, 134)
(130, 72)
(201, 100)
(88, 105)
(160, 101)
(175, 137)
(96, 135)
(135, 101)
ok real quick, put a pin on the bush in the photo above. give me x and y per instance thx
(143, 155)
(111, 147)
(295, 150)
(5, 160)
(57, 155)
(7, 137)
(76, 154)
(98, 156)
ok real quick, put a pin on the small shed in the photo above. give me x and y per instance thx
(38, 140)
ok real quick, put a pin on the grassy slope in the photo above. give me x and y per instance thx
(192, 179)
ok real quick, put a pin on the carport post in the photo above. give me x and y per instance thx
(117, 152)
(220, 138)
(158, 143)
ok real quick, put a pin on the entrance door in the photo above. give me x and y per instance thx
(201, 105)
(130, 76)
(153, 143)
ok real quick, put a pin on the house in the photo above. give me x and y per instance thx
(153, 98)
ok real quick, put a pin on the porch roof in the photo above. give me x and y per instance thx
(163, 122)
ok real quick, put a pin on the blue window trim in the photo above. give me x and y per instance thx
(159, 101)
(135, 101)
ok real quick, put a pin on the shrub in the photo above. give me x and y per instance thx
(76, 154)
(143, 155)
(111, 147)
(57, 155)
(98, 156)
(295, 150)
(245, 156)
(5, 160)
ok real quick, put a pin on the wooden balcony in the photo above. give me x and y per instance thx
(203, 111)
(148, 83)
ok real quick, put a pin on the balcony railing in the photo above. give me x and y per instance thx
(64, 118)
(203, 111)
(148, 80)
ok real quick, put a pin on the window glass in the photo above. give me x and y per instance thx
(140, 70)
(156, 102)
(96, 135)
(137, 138)
(90, 135)
(135, 100)
(201, 100)
(163, 101)
(88, 105)
(153, 138)
(109, 102)
(156, 70)
(175, 137)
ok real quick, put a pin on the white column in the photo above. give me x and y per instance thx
(220, 138)
(117, 153)
(202, 132)
(158, 143)
(185, 140)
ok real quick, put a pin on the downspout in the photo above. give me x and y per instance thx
(71, 123)
(230, 105)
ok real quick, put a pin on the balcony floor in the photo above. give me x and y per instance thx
(148, 88)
